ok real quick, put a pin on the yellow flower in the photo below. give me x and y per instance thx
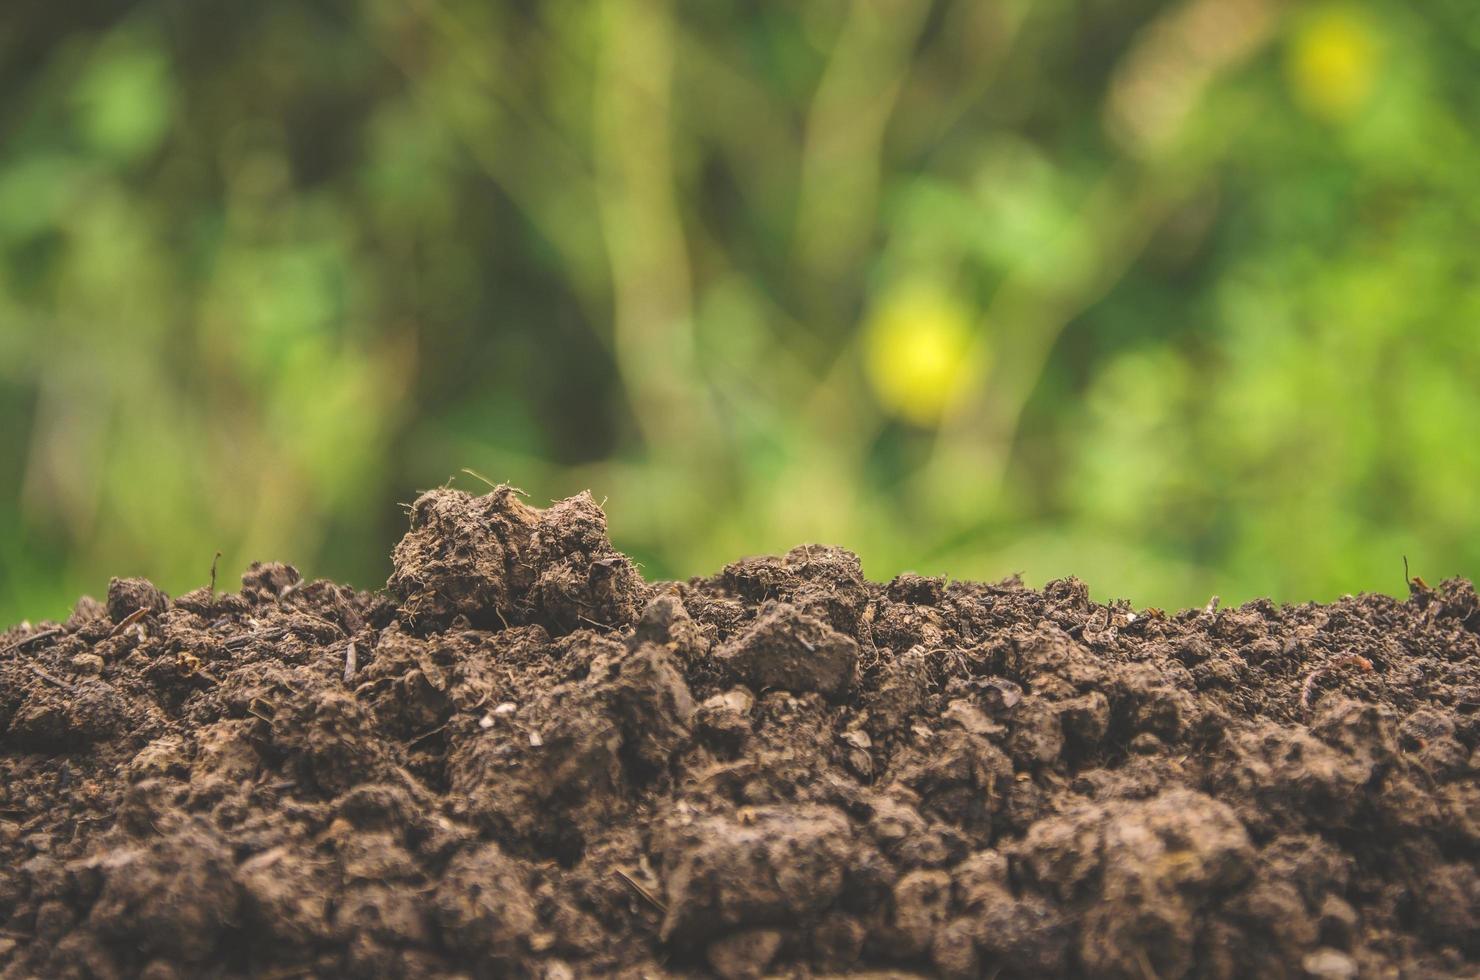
(921, 354)
(1333, 61)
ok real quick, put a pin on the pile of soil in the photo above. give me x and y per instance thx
(521, 759)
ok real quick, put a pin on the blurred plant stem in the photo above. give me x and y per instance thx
(652, 299)
(484, 107)
(844, 144)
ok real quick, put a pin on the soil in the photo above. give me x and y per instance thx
(521, 759)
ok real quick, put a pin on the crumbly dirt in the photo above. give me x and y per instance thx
(522, 759)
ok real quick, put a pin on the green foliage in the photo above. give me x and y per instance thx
(1177, 297)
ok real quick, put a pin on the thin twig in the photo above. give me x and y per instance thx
(213, 577)
(1308, 689)
(426, 735)
(271, 633)
(351, 664)
(1148, 972)
(637, 887)
(52, 679)
(129, 620)
(21, 644)
(1416, 584)
(479, 476)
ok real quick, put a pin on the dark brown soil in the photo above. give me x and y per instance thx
(523, 760)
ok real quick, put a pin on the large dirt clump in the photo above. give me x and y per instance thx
(523, 760)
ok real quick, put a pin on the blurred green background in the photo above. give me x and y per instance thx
(1181, 298)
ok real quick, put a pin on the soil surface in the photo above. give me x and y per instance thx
(522, 759)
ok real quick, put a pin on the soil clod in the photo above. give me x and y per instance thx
(786, 649)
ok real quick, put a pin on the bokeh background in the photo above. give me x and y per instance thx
(1182, 298)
